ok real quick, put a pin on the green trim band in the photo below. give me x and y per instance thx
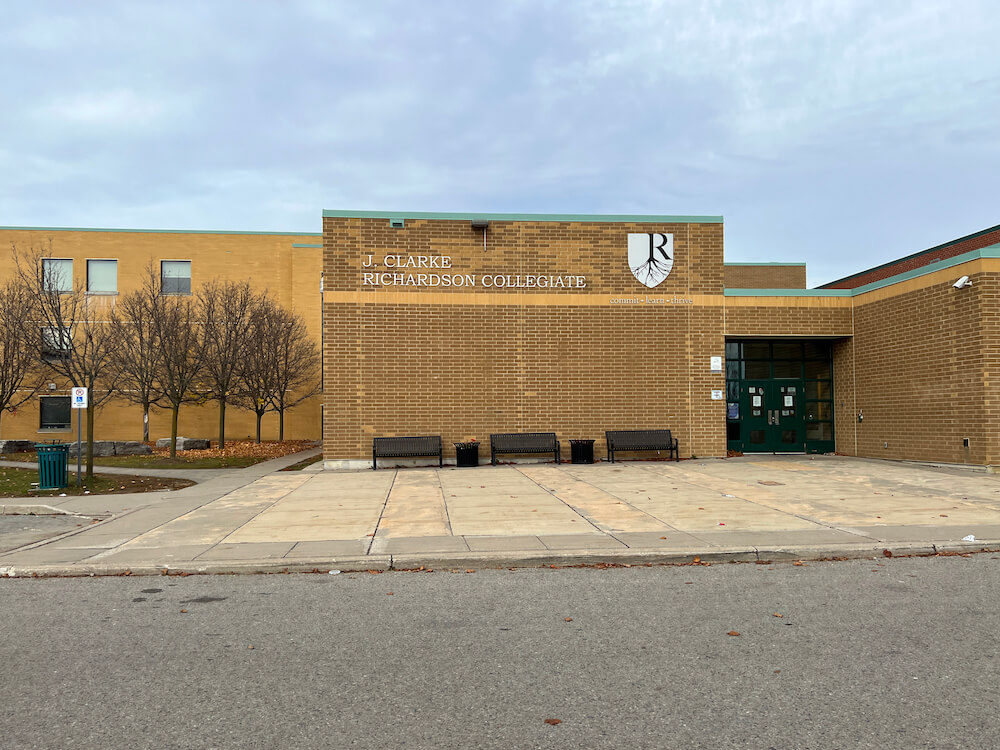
(602, 218)
(915, 255)
(991, 251)
(300, 244)
(787, 292)
(157, 231)
(765, 264)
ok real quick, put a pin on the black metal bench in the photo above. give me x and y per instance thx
(523, 442)
(407, 447)
(641, 440)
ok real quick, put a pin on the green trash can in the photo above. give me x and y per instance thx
(52, 466)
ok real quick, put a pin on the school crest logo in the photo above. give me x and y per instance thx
(650, 256)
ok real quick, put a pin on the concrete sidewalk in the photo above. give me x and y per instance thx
(745, 508)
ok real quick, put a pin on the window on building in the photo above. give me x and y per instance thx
(56, 343)
(102, 276)
(55, 413)
(57, 274)
(175, 276)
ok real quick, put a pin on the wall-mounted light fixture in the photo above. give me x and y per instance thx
(484, 225)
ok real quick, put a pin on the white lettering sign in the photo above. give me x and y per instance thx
(78, 398)
(398, 277)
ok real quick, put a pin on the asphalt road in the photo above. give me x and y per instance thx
(888, 653)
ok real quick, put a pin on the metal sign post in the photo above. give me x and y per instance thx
(79, 401)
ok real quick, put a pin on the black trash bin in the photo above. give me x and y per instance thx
(467, 454)
(581, 451)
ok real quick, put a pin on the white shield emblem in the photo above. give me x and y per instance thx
(650, 256)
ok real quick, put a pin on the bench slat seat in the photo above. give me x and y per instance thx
(641, 440)
(524, 442)
(406, 447)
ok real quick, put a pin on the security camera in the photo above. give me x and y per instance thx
(962, 283)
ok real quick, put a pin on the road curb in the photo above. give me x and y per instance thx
(468, 560)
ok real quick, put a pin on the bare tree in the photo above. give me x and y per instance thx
(72, 331)
(226, 309)
(296, 362)
(177, 333)
(138, 356)
(20, 373)
(258, 382)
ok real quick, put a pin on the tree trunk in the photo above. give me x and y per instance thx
(173, 429)
(90, 437)
(145, 422)
(260, 416)
(222, 422)
(281, 424)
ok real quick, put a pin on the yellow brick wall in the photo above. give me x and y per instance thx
(469, 362)
(765, 276)
(269, 261)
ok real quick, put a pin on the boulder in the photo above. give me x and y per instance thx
(131, 448)
(101, 448)
(184, 443)
(16, 446)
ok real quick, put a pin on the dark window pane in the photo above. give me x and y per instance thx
(756, 350)
(55, 411)
(733, 430)
(787, 369)
(733, 370)
(817, 349)
(732, 390)
(757, 370)
(787, 350)
(817, 369)
(757, 437)
(819, 410)
(789, 436)
(819, 431)
(818, 389)
(732, 350)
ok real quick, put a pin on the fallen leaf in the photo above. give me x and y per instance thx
(662, 537)
(697, 560)
(569, 619)
(553, 722)
(250, 647)
(389, 593)
(733, 632)
(777, 671)
(375, 572)
(778, 615)
(798, 563)
(688, 582)
(887, 552)
(183, 611)
(470, 570)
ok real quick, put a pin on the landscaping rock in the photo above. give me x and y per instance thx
(101, 448)
(184, 444)
(131, 448)
(16, 446)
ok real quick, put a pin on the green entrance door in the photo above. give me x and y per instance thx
(773, 421)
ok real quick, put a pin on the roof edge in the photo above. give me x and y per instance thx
(606, 218)
(156, 231)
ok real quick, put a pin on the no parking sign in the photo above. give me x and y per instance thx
(78, 398)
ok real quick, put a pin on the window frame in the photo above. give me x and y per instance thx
(48, 338)
(44, 262)
(102, 260)
(163, 291)
(55, 427)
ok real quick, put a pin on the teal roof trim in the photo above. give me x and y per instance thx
(787, 292)
(992, 251)
(157, 231)
(605, 218)
(300, 244)
(763, 264)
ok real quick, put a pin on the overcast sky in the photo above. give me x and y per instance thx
(844, 133)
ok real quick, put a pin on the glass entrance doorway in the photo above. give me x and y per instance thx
(779, 396)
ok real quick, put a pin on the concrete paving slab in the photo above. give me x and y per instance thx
(916, 533)
(591, 541)
(780, 538)
(47, 555)
(503, 543)
(329, 548)
(659, 540)
(254, 551)
(412, 545)
(153, 555)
